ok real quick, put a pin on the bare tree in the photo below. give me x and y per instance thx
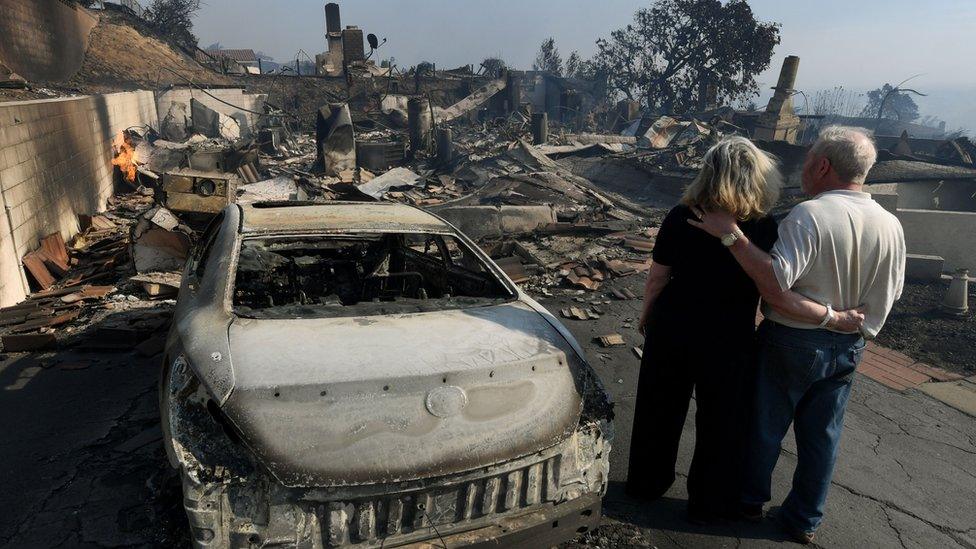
(174, 19)
(676, 49)
(837, 101)
(548, 58)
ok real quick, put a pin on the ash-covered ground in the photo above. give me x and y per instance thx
(918, 328)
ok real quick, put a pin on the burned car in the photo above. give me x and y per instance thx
(363, 375)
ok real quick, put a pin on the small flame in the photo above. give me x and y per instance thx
(125, 157)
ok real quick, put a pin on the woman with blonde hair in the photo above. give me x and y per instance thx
(699, 319)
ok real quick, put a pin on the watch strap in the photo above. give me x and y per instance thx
(828, 317)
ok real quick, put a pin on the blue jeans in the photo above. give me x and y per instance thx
(805, 378)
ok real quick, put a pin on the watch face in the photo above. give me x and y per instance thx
(729, 239)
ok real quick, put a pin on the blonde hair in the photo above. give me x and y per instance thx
(737, 177)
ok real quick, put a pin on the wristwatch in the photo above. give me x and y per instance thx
(730, 239)
(828, 317)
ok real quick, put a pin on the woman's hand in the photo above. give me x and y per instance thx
(849, 320)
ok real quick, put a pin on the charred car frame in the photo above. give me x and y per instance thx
(362, 374)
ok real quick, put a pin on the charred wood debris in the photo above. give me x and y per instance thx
(503, 176)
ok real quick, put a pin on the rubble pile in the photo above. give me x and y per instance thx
(483, 159)
(81, 282)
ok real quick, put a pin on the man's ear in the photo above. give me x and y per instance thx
(823, 166)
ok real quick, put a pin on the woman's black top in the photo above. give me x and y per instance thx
(709, 299)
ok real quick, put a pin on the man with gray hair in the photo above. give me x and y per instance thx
(844, 251)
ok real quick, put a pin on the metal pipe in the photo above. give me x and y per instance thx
(540, 128)
(418, 124)
(445, 146)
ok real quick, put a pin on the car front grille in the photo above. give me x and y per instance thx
(394, 517)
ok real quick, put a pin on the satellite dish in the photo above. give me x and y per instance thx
(373, 41)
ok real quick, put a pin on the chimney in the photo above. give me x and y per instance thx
(779, 122)
(332, 22)
(787, 75)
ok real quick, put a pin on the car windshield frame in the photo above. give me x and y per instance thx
(316, 311)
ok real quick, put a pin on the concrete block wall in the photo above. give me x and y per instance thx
(950, 235)
(55, 163)
(234, 96)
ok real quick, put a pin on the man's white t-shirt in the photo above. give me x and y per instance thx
(844, 250)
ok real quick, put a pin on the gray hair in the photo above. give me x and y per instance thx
(850, 151)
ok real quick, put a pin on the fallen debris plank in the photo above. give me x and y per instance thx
(88, 292)
(582, 281)
(46, 322)
(639, 243)
(22, 308)
(159, 284)
(575, 313)
(53, 264)
(476, 99)
(53, 293)
(17, 343)
(513, 268)
(611, 340)
(618, 267)
(623, 293)
(96, 222)
(13, 319)
(34, 263)
(54, 250)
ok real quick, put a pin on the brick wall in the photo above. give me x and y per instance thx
(43, 40)
(55, 163)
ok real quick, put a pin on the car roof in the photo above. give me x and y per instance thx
(297, 216)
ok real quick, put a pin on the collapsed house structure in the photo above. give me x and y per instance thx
(521, 155)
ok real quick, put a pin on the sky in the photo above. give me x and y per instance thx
(858, 44)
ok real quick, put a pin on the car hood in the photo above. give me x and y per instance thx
(339, 401)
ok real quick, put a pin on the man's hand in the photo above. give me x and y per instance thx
(716, 223)
(848, 321)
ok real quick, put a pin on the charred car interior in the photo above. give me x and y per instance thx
(350, 275)
(362, 375)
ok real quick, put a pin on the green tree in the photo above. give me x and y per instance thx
(493, 66)
(574, 64)
(548, 58)
(898, 105)
(174, 19)
(676, 48)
